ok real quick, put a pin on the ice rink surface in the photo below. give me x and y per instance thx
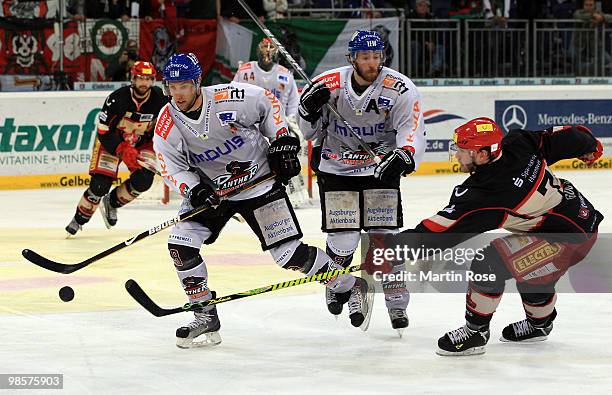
(280, 342)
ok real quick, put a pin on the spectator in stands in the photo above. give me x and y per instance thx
(427, 54)
(118, 69)
(158, 9)
(76, 9)
(275, 9)
(110, 9)
(563, 9)
(233, 11)
(499, 11)
(583, 43)
(465, 9)
(203, 9)
(529, 9)
(590, 16)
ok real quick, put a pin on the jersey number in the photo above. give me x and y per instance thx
(246, 76)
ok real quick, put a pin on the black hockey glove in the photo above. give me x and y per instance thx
(394, 165)
(312, 100)
(203, 194)
(283, 157)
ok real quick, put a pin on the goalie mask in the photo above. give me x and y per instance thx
(267, 54)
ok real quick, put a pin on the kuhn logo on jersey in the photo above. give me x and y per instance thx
(164, 124)
(226, 118)
(217, 152)
(331, 80)
(276, 107)
(240, 172)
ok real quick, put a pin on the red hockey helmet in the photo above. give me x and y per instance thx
(143, 69)
(479, 133)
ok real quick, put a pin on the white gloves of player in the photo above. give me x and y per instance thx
(394, 165)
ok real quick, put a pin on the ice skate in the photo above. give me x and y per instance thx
(524, 332)
(109, 213)
(72, 228)
(335, 301)
(203, 331)
(360, 304)
(463, 341)
(399, 320)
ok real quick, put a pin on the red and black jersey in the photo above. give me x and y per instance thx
(122, 118)
(518, 192)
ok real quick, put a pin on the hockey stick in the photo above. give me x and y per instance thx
(63, 268)
(302, 74)
(145, 301)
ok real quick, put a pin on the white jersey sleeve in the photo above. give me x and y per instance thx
(169, 146)
(407, 119)
(293, 99)
(273, 121)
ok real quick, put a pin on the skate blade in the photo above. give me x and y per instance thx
(471, 351)
(370, 303)
(527, 341)
(70, 235)
(400, 332)
(103, 212)
(207, 340)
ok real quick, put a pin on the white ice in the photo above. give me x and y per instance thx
(284, 341)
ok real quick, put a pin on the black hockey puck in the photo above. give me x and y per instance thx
(66, 294)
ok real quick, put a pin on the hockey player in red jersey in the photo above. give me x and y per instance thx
(511, 187)
(125, 132)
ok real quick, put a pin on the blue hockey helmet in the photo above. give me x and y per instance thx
(182, 67)
(365, 40)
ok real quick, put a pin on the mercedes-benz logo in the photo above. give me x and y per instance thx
(514, 117)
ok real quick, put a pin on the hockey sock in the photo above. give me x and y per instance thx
(540, 308)
(87, 207)
(479, 308)
(123, 194)
(396, 292)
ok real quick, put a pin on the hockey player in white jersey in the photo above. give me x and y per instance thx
(384, 109)
(266, 73)
(210, 145)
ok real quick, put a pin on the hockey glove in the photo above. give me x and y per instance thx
(283, 157)
(591, 157)
(203, 194)
(394, 165)
(312, 101)
(129, 155)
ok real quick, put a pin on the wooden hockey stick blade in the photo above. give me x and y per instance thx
(145, 301)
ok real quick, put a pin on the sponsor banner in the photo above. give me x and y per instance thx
(44, 181)
(513, 81)
(47, 133)
(543, 114)
(445, 108)
(448, 167)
